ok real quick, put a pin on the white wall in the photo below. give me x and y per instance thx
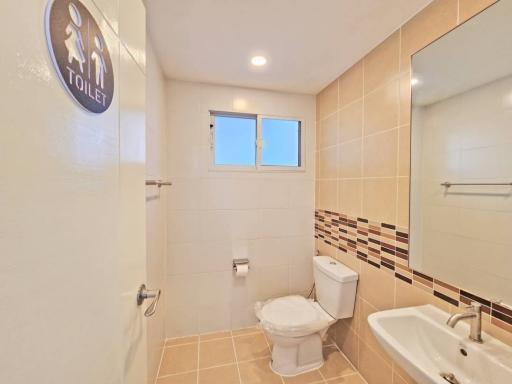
(71, 187)
(465, 231)
(156, 229)
(216, 216)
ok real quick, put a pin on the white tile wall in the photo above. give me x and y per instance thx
(156, 217)
(465, 138)
(216, 216)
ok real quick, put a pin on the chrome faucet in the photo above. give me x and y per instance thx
(475, 314)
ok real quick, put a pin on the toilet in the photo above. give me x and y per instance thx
(296, 325)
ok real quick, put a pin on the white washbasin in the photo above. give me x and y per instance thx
(419, 340)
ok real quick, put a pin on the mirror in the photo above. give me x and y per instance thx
(461, 156)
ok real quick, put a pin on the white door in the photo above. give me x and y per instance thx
(72, 238)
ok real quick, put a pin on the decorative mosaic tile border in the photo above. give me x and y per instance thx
(387, 246)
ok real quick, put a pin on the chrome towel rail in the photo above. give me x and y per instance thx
(447, 184)
(158, 183)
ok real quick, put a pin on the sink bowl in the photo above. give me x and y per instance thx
(419, 340)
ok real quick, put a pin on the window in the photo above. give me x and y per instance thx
(235, 138)
(280, 142)
(244, 141)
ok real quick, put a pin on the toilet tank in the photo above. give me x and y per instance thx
(335, 286)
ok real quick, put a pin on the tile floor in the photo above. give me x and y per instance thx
(242, 357)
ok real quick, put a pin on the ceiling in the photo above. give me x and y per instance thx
(308, 43)
(476, 53)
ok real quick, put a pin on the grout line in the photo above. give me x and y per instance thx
(321, 375)
(236, 358)
(338, 148)
(213, 367)
(401, 71)
(178, 373)
(361, 190)
(362, 137)
(160, 364)
(198, 354)
(397, 165)
(400, 50)
(346, 358)
(327, 116)
(180, 345)
(350, 103)
(366, 178)
(332, 344)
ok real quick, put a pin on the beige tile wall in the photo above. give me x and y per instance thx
(363, 168)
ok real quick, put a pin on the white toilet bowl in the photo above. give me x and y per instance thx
(297, 325)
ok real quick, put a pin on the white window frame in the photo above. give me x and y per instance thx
(259, 144)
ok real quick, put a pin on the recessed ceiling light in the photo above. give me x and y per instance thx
(258, 61)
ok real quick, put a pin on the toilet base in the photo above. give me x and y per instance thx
(302, 355)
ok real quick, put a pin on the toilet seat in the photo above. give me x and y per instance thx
(292, 316)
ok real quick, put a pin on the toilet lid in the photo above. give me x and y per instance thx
(290, 311)
(292, 315)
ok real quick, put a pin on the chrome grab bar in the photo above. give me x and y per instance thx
(144, 294)
(447, 184)
(158, 183)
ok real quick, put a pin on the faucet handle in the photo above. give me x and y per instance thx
(475, 306)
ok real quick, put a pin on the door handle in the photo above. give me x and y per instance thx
(144, 294)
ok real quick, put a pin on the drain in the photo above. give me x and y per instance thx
(450, 378)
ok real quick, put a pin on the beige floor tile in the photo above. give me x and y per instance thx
(335, 365)
(182, 378)
(215, 335)
(251, 347)
(351, 379)
(246, 331)
(258, 372)
(182, 341)
(216, 352)
(227, 374)
(179, 359)
(305, 378)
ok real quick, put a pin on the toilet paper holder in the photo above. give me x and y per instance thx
(237, 262)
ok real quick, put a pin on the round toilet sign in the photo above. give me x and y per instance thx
(80, 54)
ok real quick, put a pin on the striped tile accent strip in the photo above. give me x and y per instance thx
(386, 246)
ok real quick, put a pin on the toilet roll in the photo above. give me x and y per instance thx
(242, 270)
